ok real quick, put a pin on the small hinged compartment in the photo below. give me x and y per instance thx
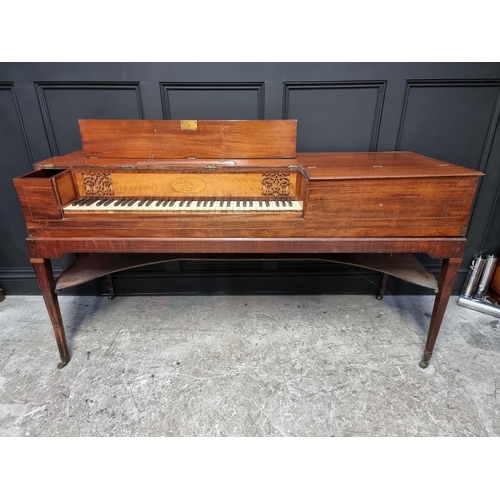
(44, 192)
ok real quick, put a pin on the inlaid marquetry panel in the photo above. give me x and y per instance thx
(98, 184)
(276, 184)
(170, 184)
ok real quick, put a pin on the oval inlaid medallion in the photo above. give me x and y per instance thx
(188, 185)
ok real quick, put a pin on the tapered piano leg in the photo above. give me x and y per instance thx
(45, 277)
(447, 278)
(383, 286)
(111, 287)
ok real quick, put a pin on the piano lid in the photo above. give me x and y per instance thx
(189, 139)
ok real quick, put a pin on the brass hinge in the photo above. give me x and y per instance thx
(128, 167)
(211, 167)
(293, 167)
(48, 166)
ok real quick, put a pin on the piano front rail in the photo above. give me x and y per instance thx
(388, 255)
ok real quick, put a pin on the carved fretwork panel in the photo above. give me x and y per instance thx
(275, 184)
(98, 184)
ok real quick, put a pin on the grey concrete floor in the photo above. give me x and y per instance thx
(248, 366)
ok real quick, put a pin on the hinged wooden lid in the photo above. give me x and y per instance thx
(180, 139)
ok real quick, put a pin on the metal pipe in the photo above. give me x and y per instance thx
(474, 275)
(479, 305)
(487, 274)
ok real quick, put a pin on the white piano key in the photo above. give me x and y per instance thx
(170, 206)
(215, 206)
(99, 207)
(149, 206)
(224, 207)
(191, 206)
(156, 206)
(135, 206)
(81, 207)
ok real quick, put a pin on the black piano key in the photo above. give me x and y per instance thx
(90, 202)
(106, 203)
(141, 203)
(228, 203)
(221, 204)
(100, 202)
(199, 203)
(277, 203)
(148, 203)
(238, 204)
(283, 203)
(268, 204)
(188, 204)
(165, 203)
(172, 203)
(244, 203)
(261, 204)
(124, 203)
(250, 204)
(205, 203)
(290, 204)
(181, 204)
(158, 203)
(212, 203)
(131, 202)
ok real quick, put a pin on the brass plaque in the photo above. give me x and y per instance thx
(188, 185)
(189, 124)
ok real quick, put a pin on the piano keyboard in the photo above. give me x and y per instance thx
(185, 205)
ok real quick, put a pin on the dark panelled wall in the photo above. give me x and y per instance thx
(449, 111)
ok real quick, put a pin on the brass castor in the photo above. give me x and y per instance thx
(425, 360)
(424, 363)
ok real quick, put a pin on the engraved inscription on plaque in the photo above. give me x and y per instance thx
(275, 184)
(188, 185)
(98, 184)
